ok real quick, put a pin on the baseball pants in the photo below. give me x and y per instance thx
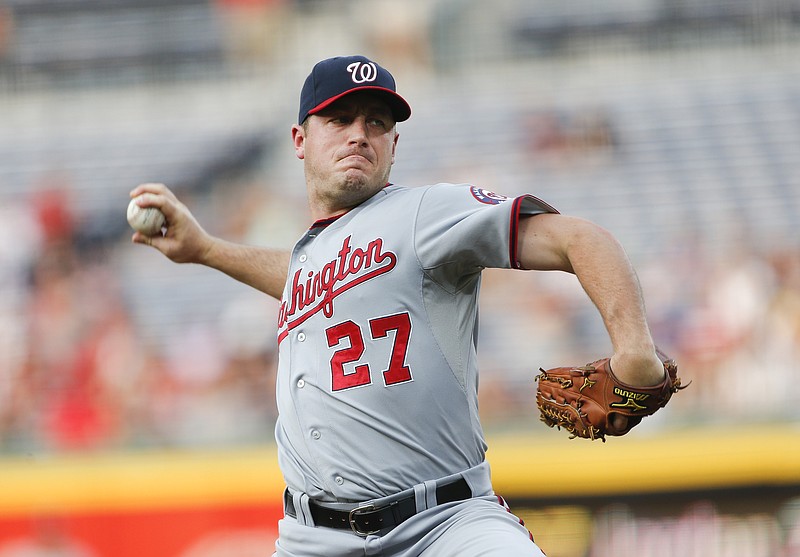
(481, 526)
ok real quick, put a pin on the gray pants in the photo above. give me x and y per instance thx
(479, 527)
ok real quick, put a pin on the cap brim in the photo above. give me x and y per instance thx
(401, 110)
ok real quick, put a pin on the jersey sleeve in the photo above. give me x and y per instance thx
(463, 229)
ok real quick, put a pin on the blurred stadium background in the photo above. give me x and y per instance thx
(136, 404)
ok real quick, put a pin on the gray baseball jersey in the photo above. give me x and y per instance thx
(377, 332)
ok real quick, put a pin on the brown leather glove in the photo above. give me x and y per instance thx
(585, 400)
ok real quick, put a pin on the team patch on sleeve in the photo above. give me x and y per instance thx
(486, 196)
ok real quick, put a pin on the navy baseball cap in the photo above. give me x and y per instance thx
(334, 78)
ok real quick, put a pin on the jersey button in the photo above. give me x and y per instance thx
(302, 258)
(339, 480)
(301, 383)
(315, 434)
(301, 337)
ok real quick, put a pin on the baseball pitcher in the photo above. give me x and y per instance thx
(378, 435)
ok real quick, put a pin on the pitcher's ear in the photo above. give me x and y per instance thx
(298, 138)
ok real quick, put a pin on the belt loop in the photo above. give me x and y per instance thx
(300, 500)
(430, 494)
(419, 497)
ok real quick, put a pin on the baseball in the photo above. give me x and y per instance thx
(147, 220)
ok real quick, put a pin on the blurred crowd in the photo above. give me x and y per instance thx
(81, 368)
(77, 369)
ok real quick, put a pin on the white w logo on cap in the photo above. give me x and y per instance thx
(362, 72)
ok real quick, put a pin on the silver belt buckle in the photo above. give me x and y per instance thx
(357, 512)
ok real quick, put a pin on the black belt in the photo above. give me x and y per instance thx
(368, 519)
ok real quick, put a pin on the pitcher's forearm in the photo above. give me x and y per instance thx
(604, 271)
(607, 276)
(264, 269)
